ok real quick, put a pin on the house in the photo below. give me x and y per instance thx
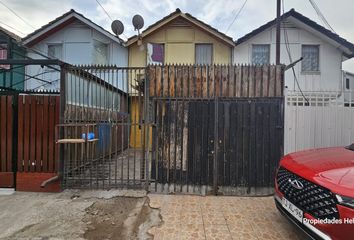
(76, 40)
(322, 50)
(10, 48)
(178, 38)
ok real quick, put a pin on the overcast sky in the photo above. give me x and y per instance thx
(217, 13)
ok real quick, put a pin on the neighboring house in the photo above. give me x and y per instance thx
(348, 82)
(178, 38)
(76, 40)
(10, 48)
(322, 50)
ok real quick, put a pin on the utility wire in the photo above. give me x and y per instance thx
(286, 41)
(108, 15)
(320, 14)
(12, 28)
(237, 14)
(104, 10)
(23, 20)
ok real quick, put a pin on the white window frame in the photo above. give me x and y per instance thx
(204, 44)
(318, 70)
(94, 52)
(252, 53)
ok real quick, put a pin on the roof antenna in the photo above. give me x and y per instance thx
(118, 28)
(138, 23)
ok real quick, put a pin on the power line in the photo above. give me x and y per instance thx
(237, 14)
(286, 41)
(320, 14)
(11, 27)
(104, 10)
(23, 20)
(108, 15)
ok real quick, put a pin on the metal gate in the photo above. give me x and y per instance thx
(201, 129)
(103, 136)
(218, 129)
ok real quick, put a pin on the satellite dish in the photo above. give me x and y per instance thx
(138, 22)
(117, 27)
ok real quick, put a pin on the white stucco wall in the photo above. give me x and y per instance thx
(77, 41)
(329, 78)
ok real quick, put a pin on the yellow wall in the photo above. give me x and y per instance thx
(179, 48)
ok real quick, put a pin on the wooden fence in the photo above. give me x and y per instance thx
(201, 81)
(27, 148)
(37, 117)
(6, 149)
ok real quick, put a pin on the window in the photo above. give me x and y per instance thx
(3, 56)
(310, 61)
(155, 53)
(347, 83)
(260, 54)
(55, 51)
(203, 53)
(100, 53)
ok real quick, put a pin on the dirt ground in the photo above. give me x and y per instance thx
(77, 215)
(120, 218)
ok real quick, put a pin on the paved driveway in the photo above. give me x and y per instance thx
(211, 217)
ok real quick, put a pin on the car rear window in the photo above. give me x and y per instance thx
(350, 147)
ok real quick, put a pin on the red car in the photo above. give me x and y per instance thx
(315, 190)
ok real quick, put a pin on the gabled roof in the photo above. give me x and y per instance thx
(62, 21)
(10, 34)
(193, 20)
(348, 48)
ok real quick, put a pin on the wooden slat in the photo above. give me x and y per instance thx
(217, 80)
(211, 81)
(224, 81)
(51, 125)
(251, 81)
(178, 81)
(45, 134)
(26, 130)
(198, 83)
(205, 83)
(258, 81)
(165, 81)
(231, 81)
(278, 80)
(238, 82)
(158, 81)
(3, 133)
(9, 132)
(32, 143)
(39, 128)
(244, 81)
(265, 81)
(272, 82)
(152, 80)
(20, 133)
(184, 81)
(56, 121)
(170, 88)
(190, 81)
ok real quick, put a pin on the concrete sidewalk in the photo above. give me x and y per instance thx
(211, 217)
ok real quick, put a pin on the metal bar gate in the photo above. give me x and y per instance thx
(197, 129)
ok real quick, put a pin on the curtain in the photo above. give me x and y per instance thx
(310, 54)
(100, 53)
(203, 54)
(260, 54)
